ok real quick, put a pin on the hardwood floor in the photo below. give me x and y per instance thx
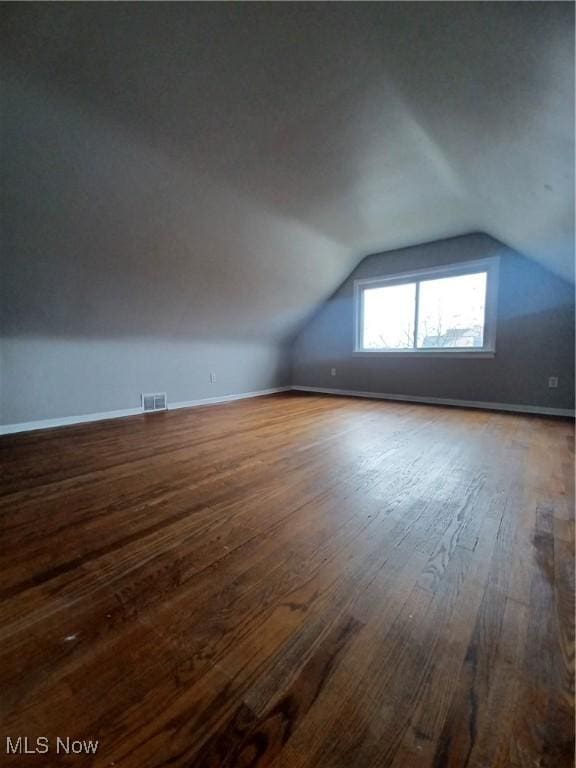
(294, 581)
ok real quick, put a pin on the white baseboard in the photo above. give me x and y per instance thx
(225, 398)
(28, 426)
(514, 408)
(64, 421)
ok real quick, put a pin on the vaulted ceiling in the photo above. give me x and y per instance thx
(207, 169)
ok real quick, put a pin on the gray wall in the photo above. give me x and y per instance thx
(179, 190)
(118, 275)
(45, 378)
(535, 336)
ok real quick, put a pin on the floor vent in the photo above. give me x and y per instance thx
(154, 402)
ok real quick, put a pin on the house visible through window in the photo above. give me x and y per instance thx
(445, 309)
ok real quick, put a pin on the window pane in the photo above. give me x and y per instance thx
(389, 317)
(451, 311)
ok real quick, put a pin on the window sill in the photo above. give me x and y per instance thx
(408, 353)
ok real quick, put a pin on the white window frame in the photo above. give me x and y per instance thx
(490, 265)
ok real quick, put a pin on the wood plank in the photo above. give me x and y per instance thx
(292, 581)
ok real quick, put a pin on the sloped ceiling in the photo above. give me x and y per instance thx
(207, 169)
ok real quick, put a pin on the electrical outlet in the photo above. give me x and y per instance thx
(332, 371)
(553, 382)
(212, 377)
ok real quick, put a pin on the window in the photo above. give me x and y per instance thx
(444, 310)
